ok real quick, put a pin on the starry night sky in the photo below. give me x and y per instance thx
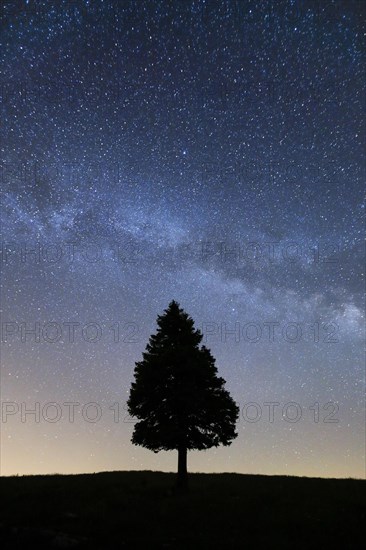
(208, 152)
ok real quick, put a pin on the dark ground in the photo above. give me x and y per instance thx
(130, 510)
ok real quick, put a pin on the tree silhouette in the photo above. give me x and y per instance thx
(177, 396)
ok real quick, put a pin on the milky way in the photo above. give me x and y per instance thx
(207, 152)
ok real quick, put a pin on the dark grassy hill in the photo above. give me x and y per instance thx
(140, 510)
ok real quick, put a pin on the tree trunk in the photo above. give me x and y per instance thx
(182, 477)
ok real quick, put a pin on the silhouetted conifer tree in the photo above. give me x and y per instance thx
(177, 397)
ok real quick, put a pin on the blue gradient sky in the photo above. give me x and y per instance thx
(207, 152)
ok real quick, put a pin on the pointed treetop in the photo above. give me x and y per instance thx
(176, 322)
(173, 305)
